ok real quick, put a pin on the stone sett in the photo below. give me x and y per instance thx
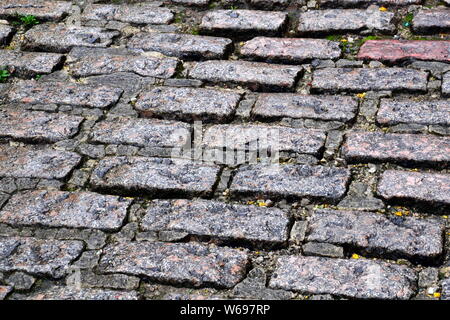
(289, 50)
(61, 38)
(432, 188)
(217, 219)
(183, 46)
(155, 175)
(141, 132)
(256, 75)
(63, 93)
(291, 181)
(360, 278)
(38, 126)
(188, 103)
(69, 293)
(262, 137)
(181, 263)
(364, 79)
(355, 3)
(5, 33)
(29, 63)
(84, 62)
(244, 22)
(446, 84)
(35, 162)
(398, 50)
(137, 14)
(445, 289)
(433, 112)
(65, 209)
(345, 20)
(38, 256)
(297, 106)
(41, 9)
(378, 233)
(391, 147)
(432, 21)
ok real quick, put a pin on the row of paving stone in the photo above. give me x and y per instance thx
(117, 241)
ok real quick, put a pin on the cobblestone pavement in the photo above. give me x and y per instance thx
(96, 97)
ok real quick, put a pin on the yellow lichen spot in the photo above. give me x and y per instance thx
(355, 256)
(344, 40)
(361, 95)
(383, 9)
(437, 295)
(398, 213)
(445, 217)
(250, 202)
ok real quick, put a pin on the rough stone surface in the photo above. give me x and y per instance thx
(244, 21)
(391, 147)
(183, 46)
(5, 33)
(62, 38)
(4, 291)
(352, 3)
(445, 289)
(401, 236)
(41, 9)
(68, 293)
(277, 106)
(344, 20)
(63, 93)
(38, 126)
(446, 84)
(256, 75)
(322, 250)
(21, 281)
(31, 162)
(398, 50)
(430, 21)
(65, 209)
(262, 137)
(141, 132)
(434, 112)
(137, 14)
(155, 175)
(191, 263)
(290, 50)
(351, 278)
(85, 62)
(291, 181)
(38, 257)
(419, 186)
(362, 79)
(188, 103)
(218, 219)
(29, 63)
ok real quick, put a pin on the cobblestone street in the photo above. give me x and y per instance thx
(99, 198)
